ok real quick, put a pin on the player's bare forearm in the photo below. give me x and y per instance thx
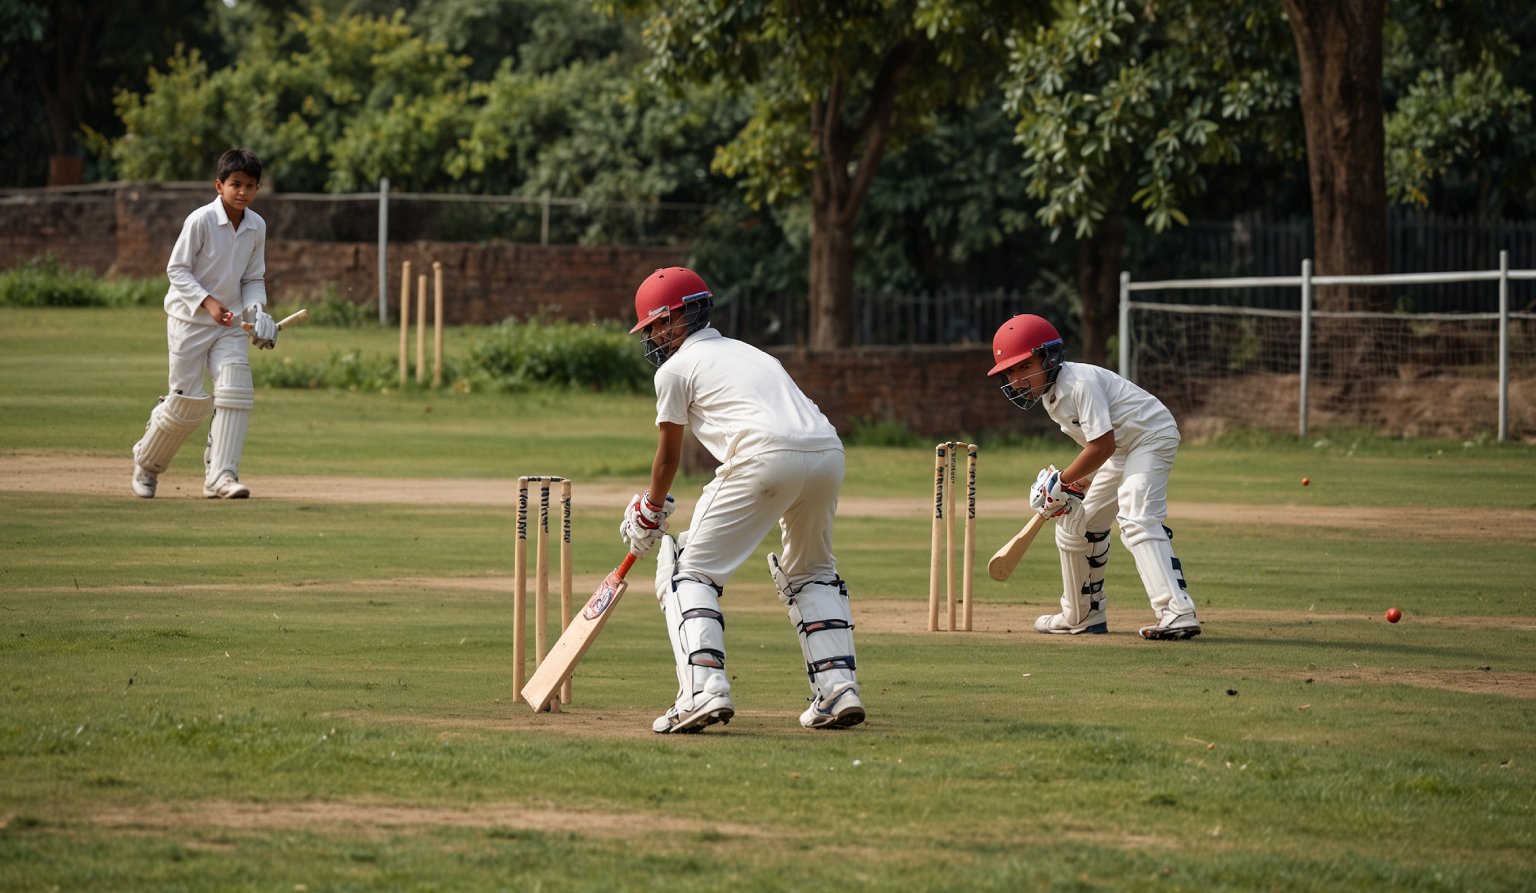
(669, 456)
(1091, 459)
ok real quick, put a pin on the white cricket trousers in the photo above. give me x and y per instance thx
(1131, 488)
(798, 490)
(198, 350)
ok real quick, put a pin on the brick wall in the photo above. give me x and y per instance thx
(128, 232)
(79, 230)
(938, 392)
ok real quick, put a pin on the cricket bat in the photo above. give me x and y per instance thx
(1007, 558)
(285, 322)
(560, 662)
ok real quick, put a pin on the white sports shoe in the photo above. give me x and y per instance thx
(144, 482)
(713, 709)
(1097, 622)
(844, 710)
(227, 487)
(1173, 626)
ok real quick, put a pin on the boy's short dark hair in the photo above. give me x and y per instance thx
(242, 160)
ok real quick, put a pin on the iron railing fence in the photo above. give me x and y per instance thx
(1238, 360)
(946, 317)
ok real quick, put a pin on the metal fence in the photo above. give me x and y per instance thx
(887, 319)
(1251, 246)
(1259, 347)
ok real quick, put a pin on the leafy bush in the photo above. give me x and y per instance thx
(44, 283)
(331, 309)
(599, 356)
(884, 432)
(135, 292)
(347, 370)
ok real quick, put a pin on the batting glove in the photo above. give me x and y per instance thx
(645, 522)
(264, 331)
(1050, 498)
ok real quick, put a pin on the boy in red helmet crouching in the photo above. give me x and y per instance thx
(1129, 440)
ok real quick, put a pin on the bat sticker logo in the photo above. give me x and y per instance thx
(598, 603)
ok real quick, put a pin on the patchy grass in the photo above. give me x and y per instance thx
(314, 693)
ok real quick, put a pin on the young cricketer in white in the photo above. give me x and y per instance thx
(217, 272)
(1128, 441)
(781, 462)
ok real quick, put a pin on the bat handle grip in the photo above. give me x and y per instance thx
(626, 564)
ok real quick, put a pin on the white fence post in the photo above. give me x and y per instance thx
(1306, 340)
(1503, 345)
(1125, 325)
(383, 250)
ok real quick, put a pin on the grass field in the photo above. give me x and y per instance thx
(310, 690)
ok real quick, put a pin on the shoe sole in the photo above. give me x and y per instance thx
(696, 724)
(1152, 633)
(845, 720)
(1098, 629)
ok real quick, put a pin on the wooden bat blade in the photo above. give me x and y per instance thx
(562, 658)
(289, 320)
(1001, 566)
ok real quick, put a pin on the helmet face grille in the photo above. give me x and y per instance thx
(694, 316)
(1019, 398)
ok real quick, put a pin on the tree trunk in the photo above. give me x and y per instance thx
(1098, 284)
(60, 65)
(849, 154)
(1339, 44)
(831, 280)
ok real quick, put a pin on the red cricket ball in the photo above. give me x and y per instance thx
(1394, 615)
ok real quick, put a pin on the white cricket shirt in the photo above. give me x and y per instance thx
(738, 400)
(212, 258)
(1089, 401)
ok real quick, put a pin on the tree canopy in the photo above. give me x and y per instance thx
(874, 145)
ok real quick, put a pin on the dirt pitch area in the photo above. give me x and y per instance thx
(90, 475)
(108, 478)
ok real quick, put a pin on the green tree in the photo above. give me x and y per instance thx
(534, 36)
(61, 62)
(1339, 48)
(1459, 135)
(1121, 104)
(332, 102)
(832, 87)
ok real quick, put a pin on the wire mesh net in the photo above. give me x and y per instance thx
(1404, 374)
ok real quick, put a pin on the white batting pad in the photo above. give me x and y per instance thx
(823, 621)
(1079, 597)
(173, 419)
(233, 397)
(697, 630)
(1082, 586)
(1163, 577)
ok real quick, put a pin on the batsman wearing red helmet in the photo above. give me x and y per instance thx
(781, 462)
(1128, 439)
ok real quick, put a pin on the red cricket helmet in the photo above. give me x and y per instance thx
(666, 291)
(1022, 336)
